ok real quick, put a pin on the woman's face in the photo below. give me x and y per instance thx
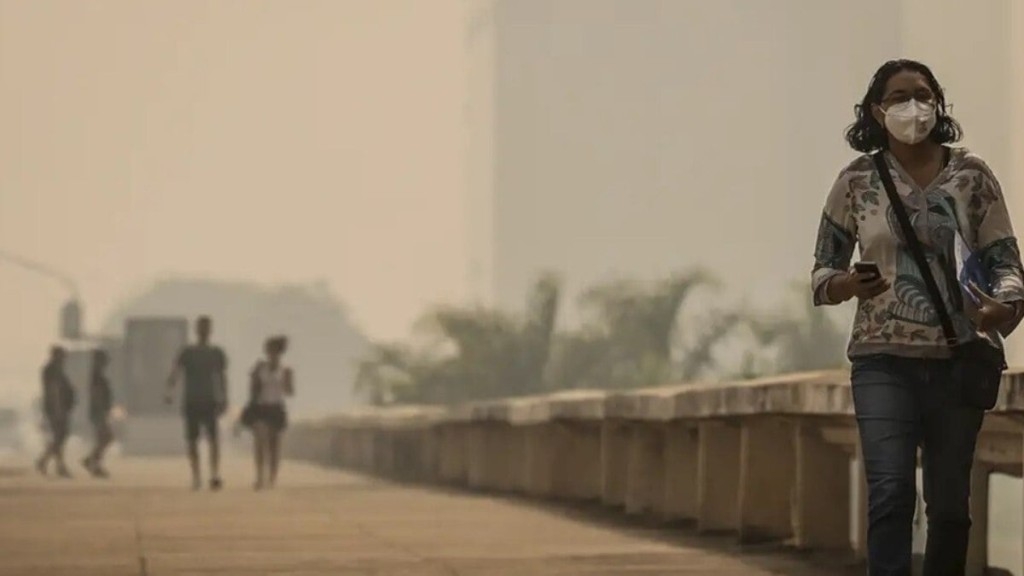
(903, 86)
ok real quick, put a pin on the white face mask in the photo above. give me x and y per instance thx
(910, 122)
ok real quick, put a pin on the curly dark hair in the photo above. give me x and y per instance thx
(276, 344)
(867, 135)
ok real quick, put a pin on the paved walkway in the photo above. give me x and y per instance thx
(145, 521)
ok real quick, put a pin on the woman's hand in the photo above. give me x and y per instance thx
(991, 313)
(853, 284)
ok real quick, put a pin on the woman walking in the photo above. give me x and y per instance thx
(58, 400)
(101, 401)
(939, 283)
(271, 382)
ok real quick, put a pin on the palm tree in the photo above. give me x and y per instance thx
(639, 324)
(500, 355)
(696, 359)
(384, 375)
(473, 353)
(809, 339)
(580, 359)
(538, 330)
(486, 357)
(628, 341)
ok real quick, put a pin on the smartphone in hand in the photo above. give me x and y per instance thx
(869, 269)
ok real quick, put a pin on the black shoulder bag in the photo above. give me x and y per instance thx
(249, 415)
(977, 366)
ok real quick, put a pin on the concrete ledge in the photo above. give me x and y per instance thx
(765, 459)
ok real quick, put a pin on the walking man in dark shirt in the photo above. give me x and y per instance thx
(204, 399)
(101, 401)
(58, 401)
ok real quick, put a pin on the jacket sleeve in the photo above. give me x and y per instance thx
(997, 247)
(837, 238)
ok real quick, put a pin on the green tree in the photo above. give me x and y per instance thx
(385, 374)
(628, 340)
(699, 357)
(805, 338)
(473, 353)
(580, 359)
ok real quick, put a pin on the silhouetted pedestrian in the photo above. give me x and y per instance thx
(204, 400)
(58, 401)
(270, 382)
(101, 401)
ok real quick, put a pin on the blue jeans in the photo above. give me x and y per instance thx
(901, 404)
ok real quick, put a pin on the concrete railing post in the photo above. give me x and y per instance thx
(576, 460)
(494, 455)
(453, 453)
(397, 452)
(341, 448)
(364, 443)
(476, 455)
(718, 472)
(767, 465)
(331, 450)
(406, 454)
(645, 469)
(614, 461)
(520, 469)
(505, 456)
(681, 448)
(331, 456)
(822, 482)
(430, 447)
(587, 449)
(563, 478)
(359, 444)
(354, 448)
(384, 451)
(539, 459)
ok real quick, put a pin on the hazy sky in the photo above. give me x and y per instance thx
(308, 140)
(264, 140)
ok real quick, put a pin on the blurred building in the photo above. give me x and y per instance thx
(613, 138)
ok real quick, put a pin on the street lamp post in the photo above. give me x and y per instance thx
(71, 311)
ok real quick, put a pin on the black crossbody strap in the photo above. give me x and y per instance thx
(910, 236)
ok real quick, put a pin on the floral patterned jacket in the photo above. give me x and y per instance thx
(964, 198)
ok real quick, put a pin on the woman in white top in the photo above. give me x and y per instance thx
(271, 382)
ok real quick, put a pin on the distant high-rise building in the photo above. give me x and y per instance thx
(635, 138)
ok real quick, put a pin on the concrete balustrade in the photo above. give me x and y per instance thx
(765, 460)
